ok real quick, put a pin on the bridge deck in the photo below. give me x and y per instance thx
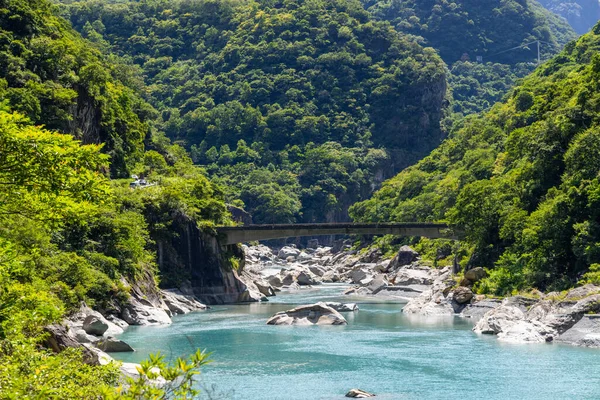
(249, 233)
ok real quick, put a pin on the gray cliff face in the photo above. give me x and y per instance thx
(194, 259)
(582, 15)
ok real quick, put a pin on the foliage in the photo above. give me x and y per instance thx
(55, 78)
(522, 179)
(259, 90)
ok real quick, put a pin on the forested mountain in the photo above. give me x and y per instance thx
(522, 179)
(285, 102)
(68, 234)
(463, 30)
(582, 15)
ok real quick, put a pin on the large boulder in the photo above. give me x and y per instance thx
(586, 333)
(500, 319)
(410, 276)
(358, 274)
(113, 345)
(287, 252)
(477, 310)
(475, 274)
(95, 325)
(264, 288)
(378, 283)
(582, 292)
(306, 278)
(137, 313)
(318, 271)
(405, 256)
(462, 295)
(180, 303)
(275, 281)
(526, 332)
(83, 337)
(313, 314)
(330, 276)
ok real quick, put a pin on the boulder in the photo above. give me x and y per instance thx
(499, 319)
(378, 283)
(475, 274)
(136, 313)
(359, 394)
(318, 271)
(179, 303)
(342, 307)
(251, 296)
(585, 333)
(58, 339)
(371, 256)
(313, 314)
(83, 337)
(264, 288)
(406, 276)
(330, 276)
(306, 278)
(405, 256)
(305, 257)
(287, 252)
(95, 325)
(288, 278)
(462, 295)
(581, 292)
(477, 310)
(527, 332)
(112, 345)
(358, 275)
(275, 281)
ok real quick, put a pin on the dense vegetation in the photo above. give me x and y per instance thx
(463, 30)
(522, 179)
(68, 234)
(263, 92)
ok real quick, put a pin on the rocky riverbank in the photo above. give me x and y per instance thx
(568, 317)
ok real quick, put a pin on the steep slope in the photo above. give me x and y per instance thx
(582, 15)
(522, 179)
(486, 44)
(272, 89)
(55, 78)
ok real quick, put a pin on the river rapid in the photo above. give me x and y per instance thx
(381, 350)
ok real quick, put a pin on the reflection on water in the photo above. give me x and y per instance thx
(381, 350)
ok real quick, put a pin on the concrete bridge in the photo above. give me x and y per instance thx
(249, 233)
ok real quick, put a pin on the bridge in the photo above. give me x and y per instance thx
(249, 233)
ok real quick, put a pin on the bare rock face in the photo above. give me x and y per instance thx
(264, 288)
(180, 303)
(138, 313)
(359, 394)
(313, 314)
(95, 325)
(58, 339)
(499, 319)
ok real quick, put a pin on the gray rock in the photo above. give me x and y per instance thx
(331, 276)
(526, 332)
(136, 313)
(313, 314)
(475, 274)
(95, 325)
(342, 307)
(406, 276)
(83, 337)
(306, 278)
(499, 319)
(113, 345)
(357, 291)
(318, 271)
(287, 252)
(275, 281)
(581, 292)
(405, 256)
(359, 394)
(585, 333)
(462, 295)
(477, 310)
(358, 275)
(264, 288)
(378, 283)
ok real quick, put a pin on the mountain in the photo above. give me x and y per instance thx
(288, 104)
(582, 15)
(521, 179)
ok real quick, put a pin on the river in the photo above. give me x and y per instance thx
(381, 350)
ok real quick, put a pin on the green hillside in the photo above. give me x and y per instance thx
(522, 179)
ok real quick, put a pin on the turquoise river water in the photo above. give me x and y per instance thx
(381, 350)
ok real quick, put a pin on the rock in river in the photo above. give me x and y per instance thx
(112, 345)
(313, 314)
(359, 394)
